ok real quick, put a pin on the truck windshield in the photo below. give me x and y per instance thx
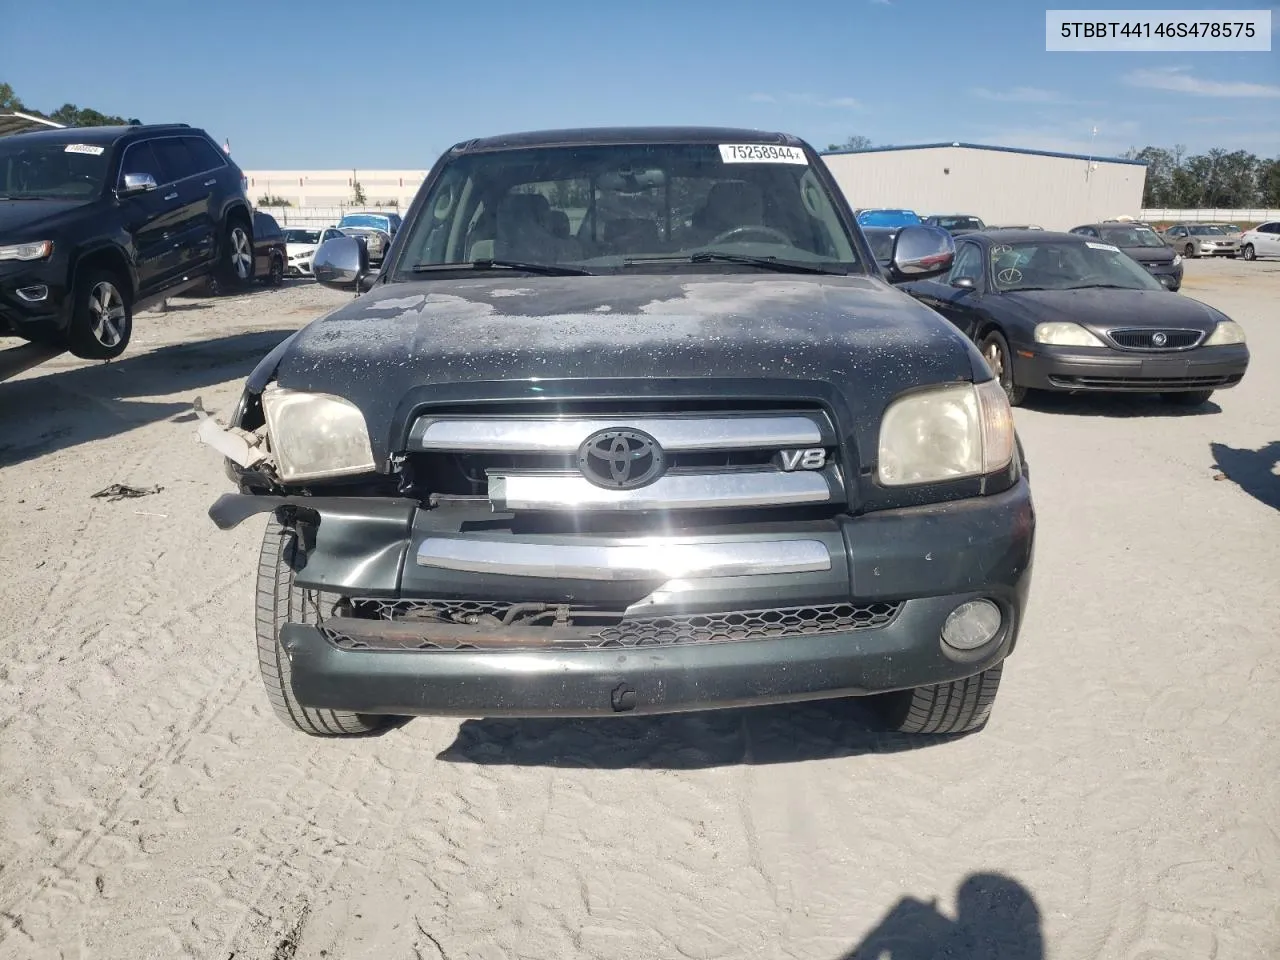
(1132, 237)
(960, 223)
(365, 220)
(51, 171)
(609, 205)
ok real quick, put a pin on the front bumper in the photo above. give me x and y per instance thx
(1218, 249)
(34, 296)
(1167, 273)
(1104, 370)
(922, 561)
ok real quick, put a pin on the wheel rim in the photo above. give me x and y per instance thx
(995, 359)
(241, 257)
(106, 314)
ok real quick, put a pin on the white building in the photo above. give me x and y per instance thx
(1001, 185)
(336, 188)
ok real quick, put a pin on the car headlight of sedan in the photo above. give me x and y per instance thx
(36, 250)
(315, 436)
(1059, 334)
(1226, 332)
(946, 433)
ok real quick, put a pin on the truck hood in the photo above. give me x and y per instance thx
(857, 334)
(23, 218)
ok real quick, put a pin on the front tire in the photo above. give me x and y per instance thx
(281, 601)
(235, 256)
(102, 316)
(995, 350)
(275, 276)
(1248, 252)
(1189, 252)
(961, 706)
(1188, 398)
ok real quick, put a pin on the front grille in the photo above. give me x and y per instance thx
(1150, 339)
(693, 457)
(472, 625)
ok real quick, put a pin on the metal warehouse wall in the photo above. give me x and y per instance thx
(1001, 187)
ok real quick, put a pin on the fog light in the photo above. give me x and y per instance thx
(971, 624)
(34, 294)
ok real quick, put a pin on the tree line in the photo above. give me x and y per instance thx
(69, 115)
(1217, 178)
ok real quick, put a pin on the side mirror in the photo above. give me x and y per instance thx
(137, 183)
(341, 263)
(920, 252)
(964, 283)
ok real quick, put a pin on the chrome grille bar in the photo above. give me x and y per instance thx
(552, 435)
(691, 491)
(654, 558)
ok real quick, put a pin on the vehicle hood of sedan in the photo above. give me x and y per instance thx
(298, 249)
(856, 334)
(1105, 308)
(18, 218)
(1151, 254)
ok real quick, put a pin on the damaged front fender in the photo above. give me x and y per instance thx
(248, 450)
(354, 545)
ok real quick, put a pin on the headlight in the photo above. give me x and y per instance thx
(36, 250)
(1177, 259)
(947, 433)
(1066, 335)
(1227, 331)
(314, 436)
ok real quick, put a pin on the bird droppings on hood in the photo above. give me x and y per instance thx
(824, 330)
(398, 303)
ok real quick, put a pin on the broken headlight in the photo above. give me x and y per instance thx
(315, 436)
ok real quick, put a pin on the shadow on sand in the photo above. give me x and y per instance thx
(1253, 471)
(996, 919)
(760, 736)
(67, 408)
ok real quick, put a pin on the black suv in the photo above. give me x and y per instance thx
(96, 222)
(630, 421)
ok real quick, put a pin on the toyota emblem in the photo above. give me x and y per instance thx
(621, 459)
(1159, 339)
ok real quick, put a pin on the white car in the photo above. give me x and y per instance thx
(301, 244)
(1262, 241)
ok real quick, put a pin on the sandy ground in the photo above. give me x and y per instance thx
(1124, 801)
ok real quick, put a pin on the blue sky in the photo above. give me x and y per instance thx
(390, 84)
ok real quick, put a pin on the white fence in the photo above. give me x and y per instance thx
(1256, 215)
(322, 216)
(327, 216)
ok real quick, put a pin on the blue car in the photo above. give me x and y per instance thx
(888, 218)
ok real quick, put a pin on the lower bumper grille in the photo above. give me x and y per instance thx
(1146, 384)
(451, 625)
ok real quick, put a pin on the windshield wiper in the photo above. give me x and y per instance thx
(768, 263)
(1102, 286)
(546, 269)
